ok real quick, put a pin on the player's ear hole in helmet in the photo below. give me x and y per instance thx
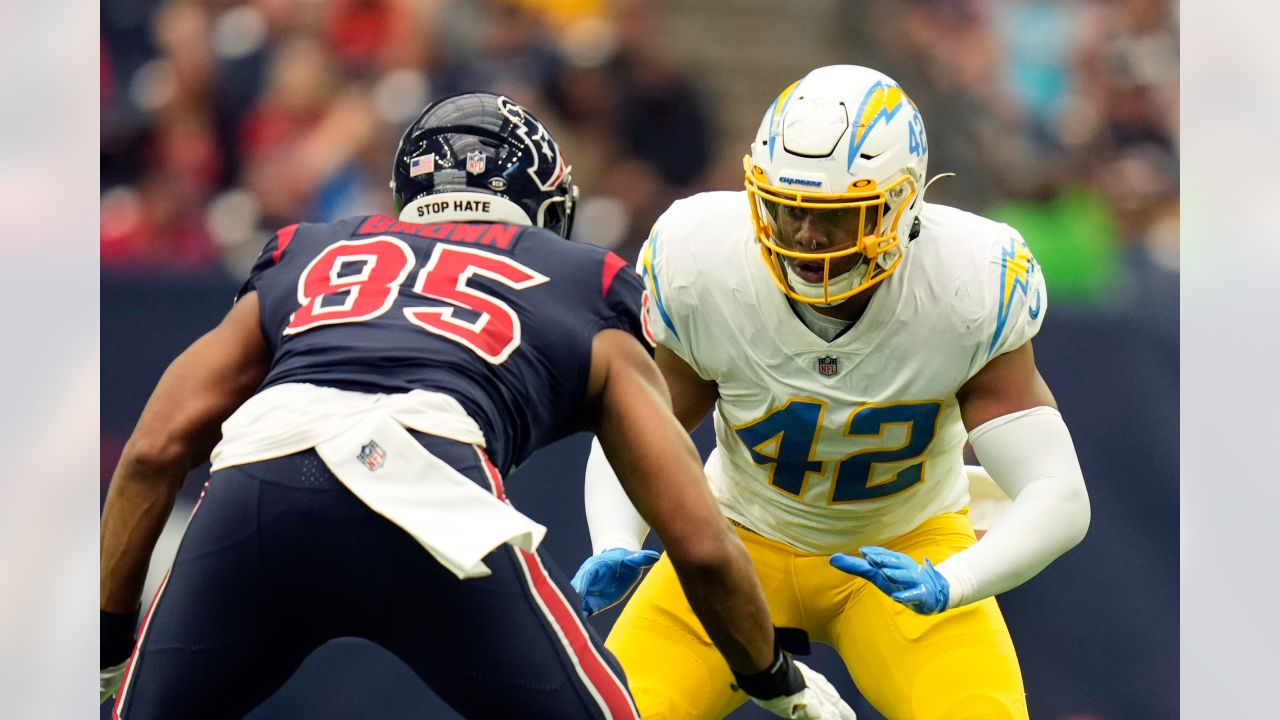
(480, 142)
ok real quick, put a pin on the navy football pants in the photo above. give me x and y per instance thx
(280, 557)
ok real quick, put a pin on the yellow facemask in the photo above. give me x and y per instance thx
(823, 248)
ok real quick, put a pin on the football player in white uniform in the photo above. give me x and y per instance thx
(850, 338)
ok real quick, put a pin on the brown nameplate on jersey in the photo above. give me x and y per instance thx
(497, 234)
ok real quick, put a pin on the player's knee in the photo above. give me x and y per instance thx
(656, 704)
(971, 682)
(672, 675)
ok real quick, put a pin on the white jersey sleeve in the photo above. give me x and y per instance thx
(1016, 295)
(676, 274)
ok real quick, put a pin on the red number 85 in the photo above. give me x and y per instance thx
(385, 263)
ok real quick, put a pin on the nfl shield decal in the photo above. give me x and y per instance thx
(475, 162)
(828, 365)
(372, 455)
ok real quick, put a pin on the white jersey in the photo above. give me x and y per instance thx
(829, 446)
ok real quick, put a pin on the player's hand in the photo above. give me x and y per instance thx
(109, 681)
(606, 578)
(919, 587)
(817, 700)
(791, 689)
(115, 644)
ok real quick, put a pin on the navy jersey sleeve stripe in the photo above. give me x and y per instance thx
(623, 291)
(612, 264)
(268, 258)
(284, 237)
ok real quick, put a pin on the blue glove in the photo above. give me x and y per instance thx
(919, 587)
(606, 578)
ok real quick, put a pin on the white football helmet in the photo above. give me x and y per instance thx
(836, 181)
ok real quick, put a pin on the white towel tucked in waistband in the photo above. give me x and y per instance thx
(451, 516)
(293, 417)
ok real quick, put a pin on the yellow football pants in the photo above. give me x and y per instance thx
(957, 665)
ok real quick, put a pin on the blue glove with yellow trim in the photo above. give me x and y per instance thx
(919, 587)
(607, 577)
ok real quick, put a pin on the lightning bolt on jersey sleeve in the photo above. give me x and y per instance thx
(1019, 296)
(670, 275)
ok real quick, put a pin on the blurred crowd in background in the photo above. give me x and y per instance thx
(225, 119)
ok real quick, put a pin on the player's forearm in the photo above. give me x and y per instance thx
(661, 472)
(1043, 523)
(612, 520)
(727, 599)
(138, 504)
(1030, 455)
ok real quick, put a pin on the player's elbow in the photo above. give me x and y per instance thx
(1084, 515)
(155, 455)
(1074, 508)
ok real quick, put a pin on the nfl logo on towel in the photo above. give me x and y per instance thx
(828, 365)
(475, 162)
(422, 165)
(372, 455)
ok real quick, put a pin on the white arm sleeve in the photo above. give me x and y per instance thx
(1030, 456)
(611, 519)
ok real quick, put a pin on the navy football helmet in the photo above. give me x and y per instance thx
(484, 143)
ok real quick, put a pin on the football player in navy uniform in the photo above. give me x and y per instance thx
(373, 382)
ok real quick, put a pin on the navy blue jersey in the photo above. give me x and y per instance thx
(500, 317)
